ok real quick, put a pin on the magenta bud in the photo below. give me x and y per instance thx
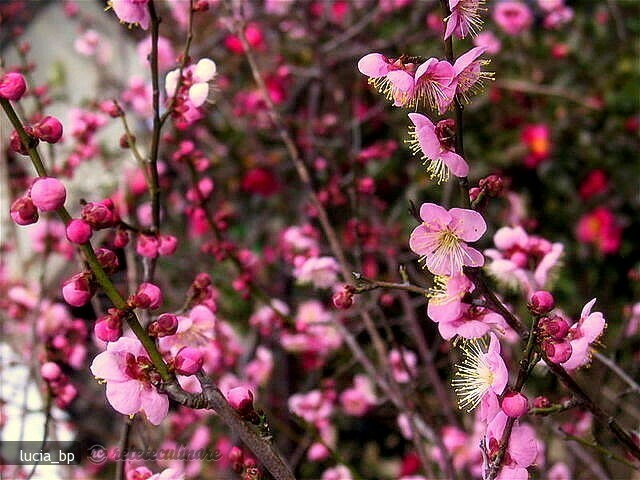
(202, 280)
(167, 244)
(23, 211)
(555, 327)
(48, 194)
(78, 290)
(240, 399)
(188, 361)
(108, 260)
(541, 302)
(541, 402)
(147, 246)
(515, 404)
(121, 238)
(147, 296)
(164, 326)
(342, 300)
(49, 129)
(99, 215)
(50, 371)
(108, 329)
(78, 231)
(12, 86)
(558, 352)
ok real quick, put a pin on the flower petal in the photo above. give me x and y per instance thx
(198, 93)
(124, 397)
(433, 214)
(205, 70)
(374, 65)
(109, 366)
(154, 404)
(468, 224)
(456, 163)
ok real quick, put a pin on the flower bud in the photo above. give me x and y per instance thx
(515, 404)
(558, 352)
(100, 214)
(164, 326)
(202, 280)
(493, 185)
(167, 244)
(121, 238)
(16, 145)
(541, 402)
(108, 260)
(147, 246)
(49, 129)
(343, 300)
(48, 194)
(78, 290)
(108, 328)
(78, 231)
(188, 361)
(50, 371)
(147, 296)
(241, 399)
(23, 211)
(12, 86)
(541, 302)
(555, 327)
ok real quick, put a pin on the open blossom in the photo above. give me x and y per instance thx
(198, 77)
(313, 406)
(403, 365)
(445, 298)
(521, 452)
(472, 322)
(358, 399)
(469, 74)
(436, 144)
(129, 375)
(537, 139)
(582, 334)
(512, 16)
(464, 19)
(601, 228)
(489, 41)
(134, 12)
(441, 239)
(431, 83)
(480, 374)
(322, 272)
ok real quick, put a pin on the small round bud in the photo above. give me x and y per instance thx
(23, 211)
(48, 194)
(108, 260)
(78, 290)
(148, 296)
(164, 326)
(241, 399)
(12, 86)
(50, 371)
(515, 404)
(188, 361)
(78, 231)
(49, 129)
(558, 352)
(541, 302)
(167, 244)
(108, 328)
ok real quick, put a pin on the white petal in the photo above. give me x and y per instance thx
(205, 70)
(198, 93)
(171, 81)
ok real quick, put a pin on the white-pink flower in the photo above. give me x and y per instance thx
(321, 272)
(441, 239)
(128, 372)
(582, 334)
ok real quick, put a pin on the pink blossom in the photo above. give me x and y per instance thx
(312, 406)
(601, 228)
(78, 231)
(582, 334)
(148, 296)
(339, 472)
(78, 290)
(259, 370)
(195, 330)
(482, 375)
(403, 365)
(435, 85)
(23, 211)
(357, 400)
(437, 148)
(537, 139)
(513, 17)
(166, 54)
(188, 361)
(489, 41)
(392, 78)
(441, 239)
(464, 19)
(522, 448)
(514, 404)
(559, 471)
(322, 272)
(240, 398)
(468, 71)
(167, 474)
(445, 299)
(49, 129)
(134, 12)
(473, 322)
(269, 317)
(128, 372)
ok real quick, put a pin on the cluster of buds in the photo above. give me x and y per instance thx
(46, 194)
(94, 216)
(243, 464)
(151, 246)
(488, 187)
(59, 385)
(552, 329)
(48, 129)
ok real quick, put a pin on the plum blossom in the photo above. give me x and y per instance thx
(129, 375)
(582, 334)
(403, 364)
(601, 228)
(195, 330)
(313, 406)
(481, 376)
(441, 239)
(199, 76)
(445, 297)
(134, 12)
(472, 322)
(464, 19)
(357, 400)
(339, 472)
(436, 146)
(513, 17)
(522, 449)
(321, 272)
(489, 41)
(468, 70)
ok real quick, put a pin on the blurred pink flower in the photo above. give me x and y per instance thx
(134, 12)
(601, 228)
(128, 372)
(441, 239)
(489, 41)
(513, 17)
(357, 400)
(321, 272)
